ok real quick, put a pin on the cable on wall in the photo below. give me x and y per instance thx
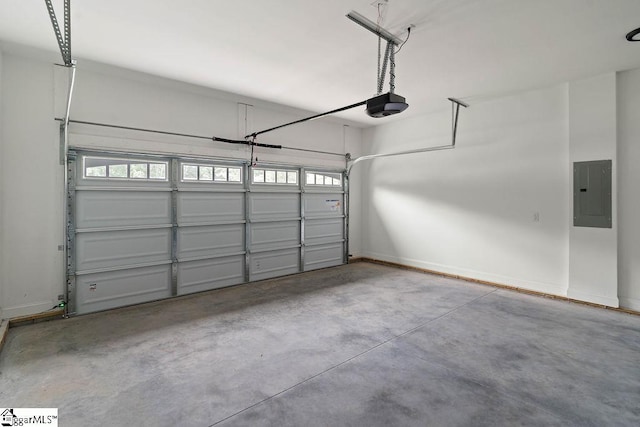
(405, 40)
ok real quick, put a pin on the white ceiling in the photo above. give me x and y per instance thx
(306, 54)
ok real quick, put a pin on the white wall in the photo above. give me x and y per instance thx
(471, 211)
(593, 254)
(628, 193)
(110, 95)
(34, 92)
(1, 193)
(32, 194)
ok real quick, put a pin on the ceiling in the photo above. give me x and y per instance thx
(306, 54)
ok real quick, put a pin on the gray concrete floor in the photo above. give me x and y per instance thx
(358, 345)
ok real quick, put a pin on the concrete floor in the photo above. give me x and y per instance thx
(358, 345)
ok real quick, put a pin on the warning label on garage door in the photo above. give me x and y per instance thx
(334, 205)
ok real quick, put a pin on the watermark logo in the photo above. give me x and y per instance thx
(10, 417)
(6, 417)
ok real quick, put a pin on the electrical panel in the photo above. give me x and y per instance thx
(592, 194)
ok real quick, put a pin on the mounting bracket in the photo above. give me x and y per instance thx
(374, 28)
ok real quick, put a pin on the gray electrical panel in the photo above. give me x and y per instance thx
(592, 194)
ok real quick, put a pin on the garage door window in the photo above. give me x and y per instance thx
(209, 173)
(324, 179)
(112, 168)
(274, 176)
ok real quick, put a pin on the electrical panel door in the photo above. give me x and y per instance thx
(592, 194)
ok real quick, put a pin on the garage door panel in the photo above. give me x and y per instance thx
(200, 207)
(102, 291)
(101, 209)
(323, 256)
(275, 235)
(317, 231)
(265, 265)
(323, 204)
(197, 276)
(122, 248)
(210, 241)
(274, 206)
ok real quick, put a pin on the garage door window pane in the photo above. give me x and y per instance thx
(206, 173)
(190, 172)
(138, 171)
(157, 171)
(221, 174)
(311, 178)
(118, 171)
(270, 176)
(235, 175)
(292, 177)
(96, 171)
(258, 175)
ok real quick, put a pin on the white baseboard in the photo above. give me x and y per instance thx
(541, 287)
(630, 303)
(26, 310)
(4, 329)
(595, 299)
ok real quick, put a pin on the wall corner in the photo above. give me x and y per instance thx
(593, 252)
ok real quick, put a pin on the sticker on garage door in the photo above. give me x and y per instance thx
(334, 205)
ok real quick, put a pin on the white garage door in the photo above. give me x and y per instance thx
(143, 228)
(210, 203)
(324, 220)
(274, 216)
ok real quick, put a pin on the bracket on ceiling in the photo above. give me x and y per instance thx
(64, 42)
(455, 111)
(373, 27)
